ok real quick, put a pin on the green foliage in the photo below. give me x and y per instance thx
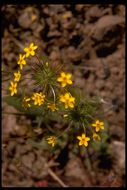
(44, 75)
(16, 102)
(51, 96)
(84, 110)
(39, 145)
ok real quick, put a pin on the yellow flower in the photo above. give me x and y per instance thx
(13, 88)
(38, 98)
(83, 140)
(17, 76)
(96, 137)
(52, 106)
(30, 50)
(51, 140)
(68, 100)
(64, 79)
(98, 125)
(25, 102)
(21, 60)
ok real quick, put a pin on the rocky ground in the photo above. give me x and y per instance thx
(89, 39)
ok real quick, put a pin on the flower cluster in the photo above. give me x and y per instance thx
(53, 94)
(38, 98)
(21, 62)
(83, 139)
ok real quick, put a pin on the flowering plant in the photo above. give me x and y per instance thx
(43, 89)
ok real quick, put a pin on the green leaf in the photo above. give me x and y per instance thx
(16, 102)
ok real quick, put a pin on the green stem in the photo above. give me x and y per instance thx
(40, 63)
(38, 58)
(84, 128)
(53, 93)
(88, 160)
(89, 165)
(50, 129)
(39, 122)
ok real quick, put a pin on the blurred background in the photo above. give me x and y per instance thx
(90, 40)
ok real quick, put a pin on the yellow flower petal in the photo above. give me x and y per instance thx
(94, 125)
(80, 143)
(59, 79)
(97, 129)
(71, 105)
(31, 45)
(87, 139)
(69, 82)
(79, 138)
(63, 74)
(35, 47)
(25, 49)
(27, 54)
(69, 75)
(63, 84)
(83, 136)
(32, 53)
(86, 144)
(67, 95)
(97, 122)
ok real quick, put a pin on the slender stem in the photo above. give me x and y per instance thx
(39, 122)
(40, 63)
(55, 177)
(89, 116)
(110, 108)
(53, 93)
(12, 113)
(50, 129)
(88, 161)
(84, 127)
(89, 165)
(104, 102)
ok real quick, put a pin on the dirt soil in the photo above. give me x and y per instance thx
(92, 39)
